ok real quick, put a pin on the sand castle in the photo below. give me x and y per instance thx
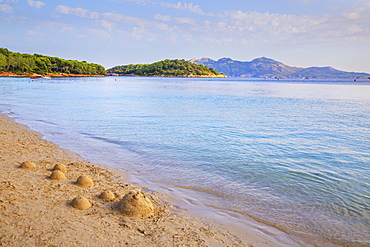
(81, 202)
(38, 211)
(107, 196)
(133, 204)
(60, 167)
(84, 181)
(136, 204)
(28, 165)
(58, 175)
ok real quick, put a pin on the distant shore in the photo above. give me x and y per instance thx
(10, 74)
(38, 209)
(188, 76)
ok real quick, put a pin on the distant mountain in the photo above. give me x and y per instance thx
(266, 67)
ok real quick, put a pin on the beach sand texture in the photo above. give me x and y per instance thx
(36, 210)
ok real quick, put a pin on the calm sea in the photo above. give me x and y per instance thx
(291, 153)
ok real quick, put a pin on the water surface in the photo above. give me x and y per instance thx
(290, 153)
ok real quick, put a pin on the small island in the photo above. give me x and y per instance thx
(18, 64)
(165, 68)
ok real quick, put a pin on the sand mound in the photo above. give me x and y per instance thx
(85, 181)
(107, 195)
(60, 167)
(28, 165)
(81, 202)
(135, 204)
(58, 175)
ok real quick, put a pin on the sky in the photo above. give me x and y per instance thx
(301, 33)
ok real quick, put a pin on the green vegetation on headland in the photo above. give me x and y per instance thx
(26, 64)
(19, 64)
(170, 68)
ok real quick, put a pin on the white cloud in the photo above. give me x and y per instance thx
(82, 35)
(184, 6)
(35, 4)
(115, 17)
(6, 8)
(360, 14)
(134, 21)
(111, 21)
(352, 15)
(94, 15)
(33, 33)
(162, 17)
(232, 27)
(56, 27)
(72, 11)
(9, 1)
(141, 2)
(137, 32)
(163, 27)
(99, 33)
(292, 29)
(180, 6)
(19, 20)
(364, 8)
(106, 24)
(270, 23)
(184, 20)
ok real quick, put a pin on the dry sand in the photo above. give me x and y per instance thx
(36, 210)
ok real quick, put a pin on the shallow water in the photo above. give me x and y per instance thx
(290, 153)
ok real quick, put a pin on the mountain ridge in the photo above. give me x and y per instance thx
(267, 67)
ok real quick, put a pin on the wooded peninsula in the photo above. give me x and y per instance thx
(175, 68)
(18, 64)
(27, 64)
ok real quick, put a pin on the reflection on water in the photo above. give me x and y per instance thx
(294, 154)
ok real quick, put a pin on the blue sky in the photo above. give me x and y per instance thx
(300, 33)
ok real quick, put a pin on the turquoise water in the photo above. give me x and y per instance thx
(291, 153)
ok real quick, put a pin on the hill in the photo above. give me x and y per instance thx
(27, 64)
(266, 67)
(171, 68)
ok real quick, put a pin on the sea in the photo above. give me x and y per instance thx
(290, 153)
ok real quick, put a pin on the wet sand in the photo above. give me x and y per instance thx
(36, 207)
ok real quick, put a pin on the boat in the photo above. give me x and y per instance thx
(46, 77)
(34, 77)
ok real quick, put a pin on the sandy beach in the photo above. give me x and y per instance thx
(39, 203)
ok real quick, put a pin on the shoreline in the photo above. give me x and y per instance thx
(36, 209)
(11, 74)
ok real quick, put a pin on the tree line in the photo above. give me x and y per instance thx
(176, 67)
(28, 64)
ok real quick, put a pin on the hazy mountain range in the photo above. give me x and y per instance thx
(266, 67)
